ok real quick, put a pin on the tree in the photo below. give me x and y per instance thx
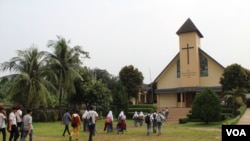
(206, 106)
(131, 78)
(120, 98)
(29, 85)
(65, 62)
(235, 97)
(235, 76)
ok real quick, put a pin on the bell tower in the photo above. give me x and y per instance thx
(189, 43)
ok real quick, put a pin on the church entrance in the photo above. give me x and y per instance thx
(189, 98)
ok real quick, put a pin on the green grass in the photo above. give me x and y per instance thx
(52, 131)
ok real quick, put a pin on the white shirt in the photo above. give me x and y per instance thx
(84, 115)
(93, 114)
(19, 115)
(12, 117)
(27, 119)
(2, 120)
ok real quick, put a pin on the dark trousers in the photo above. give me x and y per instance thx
(66, 128)
(3, 130)
(20, 127)
(14, 133)
(91, 131)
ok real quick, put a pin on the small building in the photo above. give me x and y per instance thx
(190, 71)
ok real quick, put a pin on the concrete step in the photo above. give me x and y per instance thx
(176, 113)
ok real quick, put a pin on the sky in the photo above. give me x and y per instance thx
(118, 33)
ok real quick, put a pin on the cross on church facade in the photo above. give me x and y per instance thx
(187, 48)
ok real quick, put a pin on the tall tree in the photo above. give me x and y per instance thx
(131, 78)
(65, 62)
(235, 76)
(29, 85)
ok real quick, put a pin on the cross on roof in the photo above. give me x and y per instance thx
(187, 48)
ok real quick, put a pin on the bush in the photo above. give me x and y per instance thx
(183, 120)
(145, 108)
(52, 115)
(206, 106)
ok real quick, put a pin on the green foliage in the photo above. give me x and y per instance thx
(120, 99)
(234, 119)
(235, 76)
(131, 78)
(145, 108)
(206, 106)
(65, 62)
(39, 116)
(52, 115)
(28, 84)
(234, 98)
(183, 120)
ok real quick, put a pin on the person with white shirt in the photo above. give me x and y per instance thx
(92, 116)
(19, 114)
(85, 121)
(14, 134)
(27, 126)
(2, 122)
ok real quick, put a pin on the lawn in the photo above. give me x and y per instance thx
(52, 131)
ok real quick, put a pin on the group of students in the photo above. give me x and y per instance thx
(138, 118)
(153, 120)
(88, 120)
(16, 124)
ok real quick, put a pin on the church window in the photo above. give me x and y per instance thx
(178, 69)
(203, 66)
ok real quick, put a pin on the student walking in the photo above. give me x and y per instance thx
(66, 118)
(14, 134)
(148, 121)
(2, 122)
(27, 126)
(109, 122)
(141, 118)
(121, 125)
(154, 122)
(76, 125)
(159, 119)
(19, 120)
(85, 121)
(92, 116)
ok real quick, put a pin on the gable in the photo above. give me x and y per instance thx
(168, 79)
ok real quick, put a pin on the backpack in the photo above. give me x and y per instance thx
(158, 118)
(90, 120)
(147, 119)
(74, 121)
(154, 116)
(108, 120)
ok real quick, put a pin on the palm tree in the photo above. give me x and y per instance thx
(65, 62)
(231, 97)
(28, 84)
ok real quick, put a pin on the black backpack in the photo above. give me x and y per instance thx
(90, 121)
(147, 119)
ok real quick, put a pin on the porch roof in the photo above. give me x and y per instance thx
(186, 89)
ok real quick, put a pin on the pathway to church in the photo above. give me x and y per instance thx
(245, 119)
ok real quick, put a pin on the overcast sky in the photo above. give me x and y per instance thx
(118, 33)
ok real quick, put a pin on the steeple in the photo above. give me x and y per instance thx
(189, 26)
(189, 43)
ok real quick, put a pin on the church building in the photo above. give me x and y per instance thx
(190, 71)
